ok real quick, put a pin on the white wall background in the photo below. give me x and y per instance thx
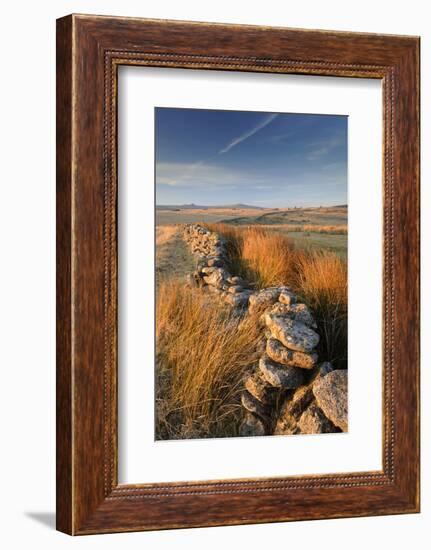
(27, 280)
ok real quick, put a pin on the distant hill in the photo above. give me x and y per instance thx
(241, 205)
(192, 206)
(179, 206)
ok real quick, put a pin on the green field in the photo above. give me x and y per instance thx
(297, 216)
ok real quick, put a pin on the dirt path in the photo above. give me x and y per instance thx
(173, 257)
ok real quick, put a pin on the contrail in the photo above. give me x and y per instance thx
(248, 134)
(189, 172)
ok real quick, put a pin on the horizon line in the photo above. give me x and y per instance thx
(320, 205)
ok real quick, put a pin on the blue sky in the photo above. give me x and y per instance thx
(211, 157)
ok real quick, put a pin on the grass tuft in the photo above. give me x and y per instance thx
(321, 281)
(203, 351)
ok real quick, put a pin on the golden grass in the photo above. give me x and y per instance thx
(165, 233)
(330, 229)
(202, 354)
(322, 277)
(262, 257)
(268, 257)
(321, 280)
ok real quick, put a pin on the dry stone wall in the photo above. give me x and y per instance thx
(288, 391)
(211, 271)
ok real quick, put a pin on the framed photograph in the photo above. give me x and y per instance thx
(237, 274)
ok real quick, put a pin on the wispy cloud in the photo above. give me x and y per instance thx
(210, 176)
(323, 148)
(281, 138)
(267, 120)
(183, 172)
(177, 174)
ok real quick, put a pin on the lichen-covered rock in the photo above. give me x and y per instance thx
(322, 369)
(293, 334)
(257, 386)
(208, 270)
(296, 401)
(207, 245)
(215, 262)
(286, 423)
(287, 297)
(293, 406)
(252, 426)
(331, 396)
(277, 309)
(217, 276)
(325, 367)
(313, 421)
(236, 289)
(263, 299)
(280, 376)
(201, 263)
(235, 280)
(285, 427)
(296, 312)
(301, 313)
(237, 300)
(279, 353)
(218, 251)
(251, 404)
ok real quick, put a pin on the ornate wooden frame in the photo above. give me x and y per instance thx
(89, 51)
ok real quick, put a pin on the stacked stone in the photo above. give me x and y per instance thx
(288, 373)
(212, 272)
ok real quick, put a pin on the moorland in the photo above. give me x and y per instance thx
(201, 357)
